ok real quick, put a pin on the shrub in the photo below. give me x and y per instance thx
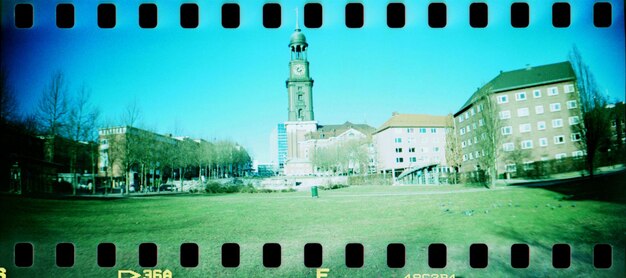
(332, 186)
(215, 187)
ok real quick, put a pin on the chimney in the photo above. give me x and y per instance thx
(394, 113)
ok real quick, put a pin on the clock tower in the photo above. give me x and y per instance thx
(299, 84)
(300, 119)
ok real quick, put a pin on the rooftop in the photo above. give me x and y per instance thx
(522, 78)
(413, 120)
(328, 131)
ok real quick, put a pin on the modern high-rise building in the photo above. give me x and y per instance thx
(278, 147)
(536, 110)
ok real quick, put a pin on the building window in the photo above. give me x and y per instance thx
(424, 149)
(520, 96)
(300, 97)
(508, 147)
(412, 159)
(436, 149)
(557, 123)
(479, 108)
(560, 155)
(569, 88)
(466, 115)
(507, 130)
(472, 112)
(398, 140)
(469, 142)
(539, 109)
(476, 154)
(510, 167)
(571, 104)
(573, 120)
(506, 114)
(537, 93)
(527, 144)
(481, 122)
(475, 140)
(528, 165)
(553, 91)
(410, 130)
(543, 142)
(468, 128)
(462, 144)
(541, 125)
(462, 131)
(422, 130)
(577, 153)
(433, 130)
(399, 159)
(474, 125)
(555, 107)
(559, 139)
(461, 119)
(471, 156)
(522, 112)
(575, 136)
(464, 157)
(411, 150)
(503, 99)
(524, 128)
(398, 150)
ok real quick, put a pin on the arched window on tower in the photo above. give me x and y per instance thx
(300, 114)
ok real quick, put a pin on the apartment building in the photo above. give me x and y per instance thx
(537, 112)
(411, 141)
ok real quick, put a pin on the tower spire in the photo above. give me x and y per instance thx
(297, 27)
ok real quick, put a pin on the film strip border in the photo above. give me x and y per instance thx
(24, 15)
(24, 255)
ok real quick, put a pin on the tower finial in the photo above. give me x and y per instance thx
(297, 27)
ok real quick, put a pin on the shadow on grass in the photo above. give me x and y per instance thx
(607, 188)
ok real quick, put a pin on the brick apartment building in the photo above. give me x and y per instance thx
(538, 113)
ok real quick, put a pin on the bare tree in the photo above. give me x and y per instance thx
(453, 149)
(52, 108)
(132, 114)
(8, 102)
(81, 127)
(490, 142)
(595, 127)
(517, 156)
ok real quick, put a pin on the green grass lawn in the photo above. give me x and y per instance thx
(372, 215)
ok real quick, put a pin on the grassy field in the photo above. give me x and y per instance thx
(578, 213)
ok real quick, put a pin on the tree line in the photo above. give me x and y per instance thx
(160, 159)
(66, 112)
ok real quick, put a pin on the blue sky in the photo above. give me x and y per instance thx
(219, 83)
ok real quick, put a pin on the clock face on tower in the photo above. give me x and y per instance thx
(298, 69)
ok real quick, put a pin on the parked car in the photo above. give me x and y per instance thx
(168, 187)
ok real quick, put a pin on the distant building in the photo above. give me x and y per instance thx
(337, 136)
(618, 125)
(118, 148)
(40, 163)
(412, 144)
(538, 110)
(278, 147)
